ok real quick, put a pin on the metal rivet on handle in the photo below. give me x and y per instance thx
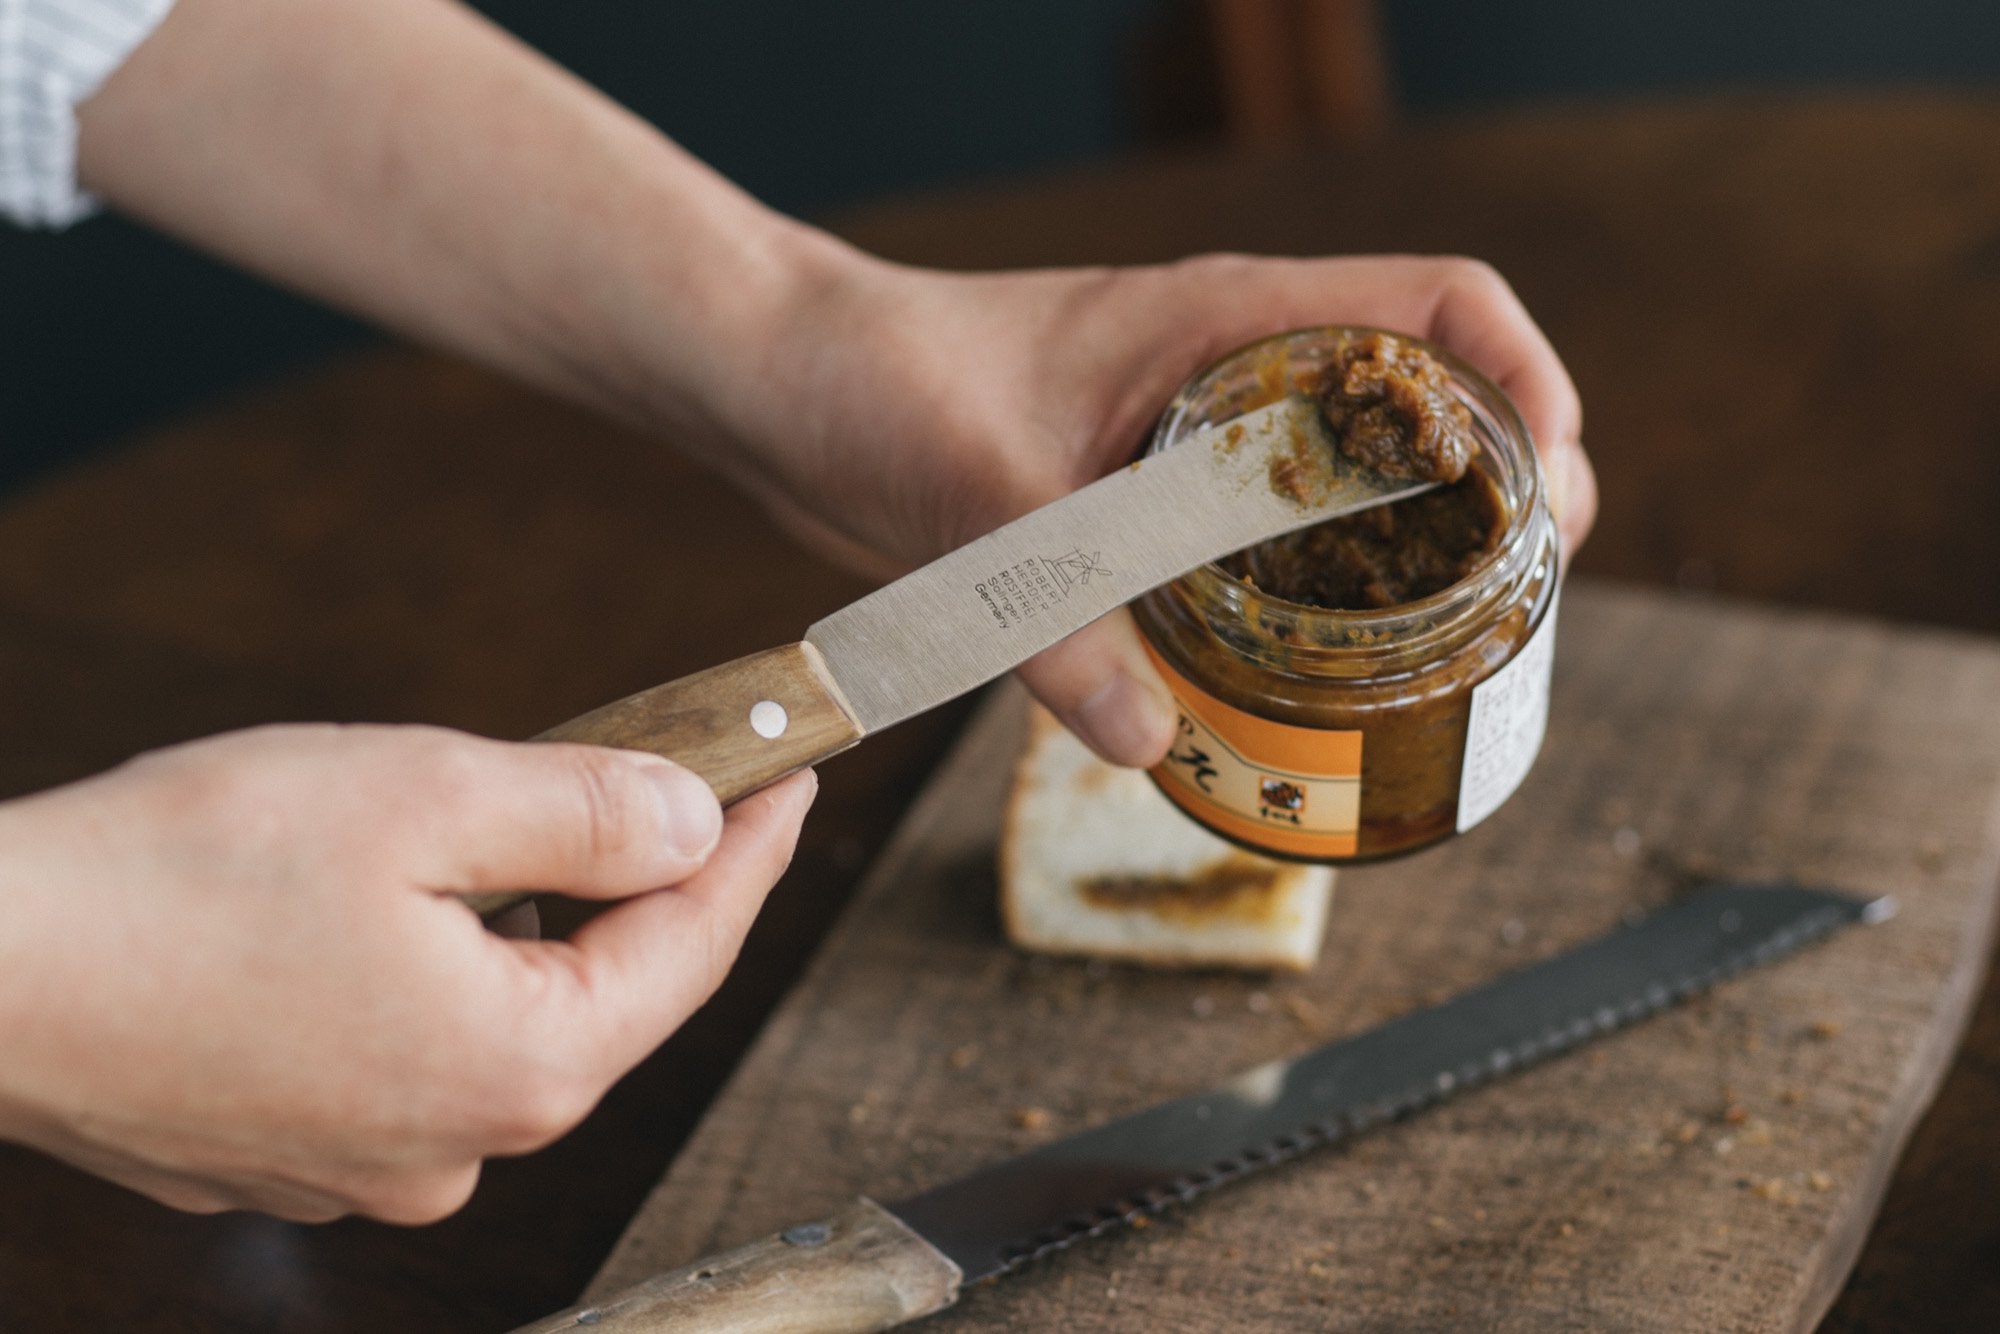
(806, 1234)
(768, 719)
(590, 1317)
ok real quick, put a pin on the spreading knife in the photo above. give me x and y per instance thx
(983, 609)
(873, 1266)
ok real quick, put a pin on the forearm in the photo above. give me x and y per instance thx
(408, 161)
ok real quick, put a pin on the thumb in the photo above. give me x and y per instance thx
(1102, 686)
(581, 820)
(636, 971)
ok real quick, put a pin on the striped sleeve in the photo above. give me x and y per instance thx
(53, 55)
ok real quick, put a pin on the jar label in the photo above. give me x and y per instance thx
(1503, 731)
(1291, 789)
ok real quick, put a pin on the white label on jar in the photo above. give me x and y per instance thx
(1503, 731)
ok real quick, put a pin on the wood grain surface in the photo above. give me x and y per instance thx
(1714, 1169)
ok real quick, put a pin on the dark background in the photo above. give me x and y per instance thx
(819, 104)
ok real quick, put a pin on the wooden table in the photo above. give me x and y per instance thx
(399, 537)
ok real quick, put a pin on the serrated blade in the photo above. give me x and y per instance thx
(981, 610)
(1002, 1216)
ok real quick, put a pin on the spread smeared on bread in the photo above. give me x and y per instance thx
(1094, 861)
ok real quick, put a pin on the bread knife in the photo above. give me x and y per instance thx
(873, 1266)
(988, 606)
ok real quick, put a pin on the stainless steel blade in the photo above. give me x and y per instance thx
(1005, 1215)
(968, 616)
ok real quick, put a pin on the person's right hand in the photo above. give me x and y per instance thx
(898, 413)
(234, 973)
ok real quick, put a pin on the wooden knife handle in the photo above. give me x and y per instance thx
(859, 1270)
(741, 726)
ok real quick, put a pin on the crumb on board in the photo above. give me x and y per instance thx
(1568, 1229)
(1820, 1181)
(1685, 1133)
(961, 1058)
(1790, 1097)
(1031, 1118)
(1826, 1029)
(1774, 1189)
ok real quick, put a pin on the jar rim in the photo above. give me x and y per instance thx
(1502, 436)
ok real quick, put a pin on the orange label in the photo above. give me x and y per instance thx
(1291, 789)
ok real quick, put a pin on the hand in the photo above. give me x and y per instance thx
(906, 412)
(233, 973)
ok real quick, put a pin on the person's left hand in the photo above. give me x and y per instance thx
(905, 412)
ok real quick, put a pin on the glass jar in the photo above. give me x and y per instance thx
(1336, 736)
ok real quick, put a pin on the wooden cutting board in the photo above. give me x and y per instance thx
(1713, 1169)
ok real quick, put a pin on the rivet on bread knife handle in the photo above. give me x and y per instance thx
(768, 719)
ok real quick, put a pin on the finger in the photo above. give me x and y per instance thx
(1462, 304)
(194, 1194)
(1478, 316)
(1572, 496)
(413, 1198)
(582, 820)
(630, 976)
(1103, 687)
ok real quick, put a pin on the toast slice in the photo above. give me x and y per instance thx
(1094, 861)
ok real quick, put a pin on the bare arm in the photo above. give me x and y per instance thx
(409, 161)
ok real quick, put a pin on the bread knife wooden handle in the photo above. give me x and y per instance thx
(861, 1269)
(740, 726)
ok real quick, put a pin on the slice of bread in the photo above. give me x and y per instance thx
(1093, 860)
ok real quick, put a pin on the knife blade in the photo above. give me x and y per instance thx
(874, 1266)
(971, 615)
(983, 609)
(991, 605)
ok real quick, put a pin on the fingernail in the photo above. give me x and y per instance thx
(693, 815)
(1126, 721)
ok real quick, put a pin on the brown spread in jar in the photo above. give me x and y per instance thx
(1385, 556)
(1387, 405)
